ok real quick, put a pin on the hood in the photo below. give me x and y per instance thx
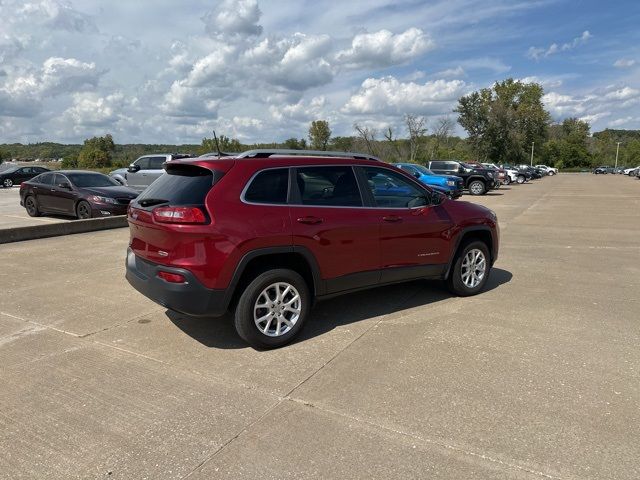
(112, 192)
(119, 171)
(444, 177)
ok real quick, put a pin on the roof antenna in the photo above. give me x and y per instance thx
(217, 144)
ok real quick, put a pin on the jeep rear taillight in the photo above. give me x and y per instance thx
(179, 215)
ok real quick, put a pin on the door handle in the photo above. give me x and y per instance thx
(310, 220)
(392, 218)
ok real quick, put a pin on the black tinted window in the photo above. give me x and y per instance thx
(88, 180)
(155, 163)
(330, 186)
(269, 186)
(180, 185)
(44, 179)
(438, 166)
(392, 190)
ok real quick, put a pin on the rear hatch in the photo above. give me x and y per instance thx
(170, 220)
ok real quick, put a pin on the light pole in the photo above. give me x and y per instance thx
(532, 145)
(617, 150)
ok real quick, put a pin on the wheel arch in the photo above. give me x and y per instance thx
(470, 234)
(296, 258)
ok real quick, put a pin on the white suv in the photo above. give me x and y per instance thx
(549, 170)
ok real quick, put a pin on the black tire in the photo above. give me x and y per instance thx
(32, 206)
(455, 283)
(507, 180)
(520, 179)
(7, 183)
(477, 187)
(244, 314)
(83, 210)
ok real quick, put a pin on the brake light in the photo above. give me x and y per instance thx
(179, 215)
(172, 277)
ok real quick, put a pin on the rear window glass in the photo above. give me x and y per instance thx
(180, 185)
(269, 186)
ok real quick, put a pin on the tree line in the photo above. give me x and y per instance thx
(504, 124)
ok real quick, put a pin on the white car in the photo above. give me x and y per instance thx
(549, 170)
(627, 171)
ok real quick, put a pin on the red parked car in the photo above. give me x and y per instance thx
(266, 233)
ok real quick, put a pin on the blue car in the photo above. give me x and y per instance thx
(450, 185)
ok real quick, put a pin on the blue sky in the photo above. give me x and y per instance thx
(261, 70)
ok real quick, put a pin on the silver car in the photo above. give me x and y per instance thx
(146, 169)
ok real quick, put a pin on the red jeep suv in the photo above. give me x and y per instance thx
(267, 232)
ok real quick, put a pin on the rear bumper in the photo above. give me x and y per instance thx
(189, 298)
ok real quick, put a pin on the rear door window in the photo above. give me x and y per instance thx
(334, 186)
(155, 163)
(181, 185)
(269, 186)
(44, 179)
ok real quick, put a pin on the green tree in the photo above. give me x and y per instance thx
(568, 145)
(319, 134)
(503, 121)
(96, 152)
(295, 144)
(227, 145)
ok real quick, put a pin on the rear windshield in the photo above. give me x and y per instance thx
(180, 185)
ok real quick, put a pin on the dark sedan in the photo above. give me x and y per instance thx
(76, 193)
(16, 175)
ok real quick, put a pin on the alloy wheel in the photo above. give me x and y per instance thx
(474, 267)
(7, 182)
(31, 206)
(277, 309)
(84, 211)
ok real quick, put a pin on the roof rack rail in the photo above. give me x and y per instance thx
(265, 153)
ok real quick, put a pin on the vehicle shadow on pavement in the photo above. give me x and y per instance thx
(329, 314)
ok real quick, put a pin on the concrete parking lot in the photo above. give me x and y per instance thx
(13, 215)
(538, 377)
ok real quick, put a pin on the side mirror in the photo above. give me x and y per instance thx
(436, 198)
(65, 185)
(133, 168)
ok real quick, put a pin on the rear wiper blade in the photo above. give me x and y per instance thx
(147, 202)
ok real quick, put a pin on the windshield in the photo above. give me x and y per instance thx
(84, 180)
(8, 170)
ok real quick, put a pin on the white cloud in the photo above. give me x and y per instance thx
(52, 13)
(235, 19)
(624, 63)
(594, 106)
(301, 111)
(537, 53)
(383, 49)
(22, 94)
(387, 95)
(93, 110)
(452, 73)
